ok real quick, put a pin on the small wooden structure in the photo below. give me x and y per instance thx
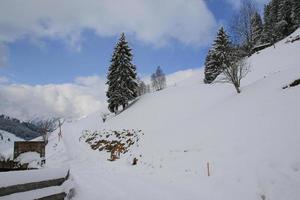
(28, 146)
(23, 147)
(258, 48)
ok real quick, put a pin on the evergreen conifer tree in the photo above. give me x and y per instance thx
(121, 78)
(273, 17)
(218, 56)
(296, 13)
(284, 24)
(211, 70)
(257, 28)
(222, 47)
(274, 9)
(268, 34)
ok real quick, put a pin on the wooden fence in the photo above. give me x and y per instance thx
(14, 189)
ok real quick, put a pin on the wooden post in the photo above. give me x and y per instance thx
(208, 170)
(60, 132)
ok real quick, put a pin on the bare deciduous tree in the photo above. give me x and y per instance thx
(46, 126)
(241, 28)
(234, 72)
(142, 87)
(158, 79)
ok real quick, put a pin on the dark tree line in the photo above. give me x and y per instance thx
(249, 31)
(281, 18)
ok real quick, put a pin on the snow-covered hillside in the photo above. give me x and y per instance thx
(251, 140)
(7, 144)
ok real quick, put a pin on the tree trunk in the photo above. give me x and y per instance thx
(237, 88)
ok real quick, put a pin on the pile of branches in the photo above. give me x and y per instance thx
(112, 141)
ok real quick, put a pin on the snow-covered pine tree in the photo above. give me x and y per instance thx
(265, 37)
(274, 9)
(121, 78)
(217, 57)
(268, 34)
(222, 47)
(296, 13)
(284, 25)
(225, 60)
(257, 28)
(211, 70)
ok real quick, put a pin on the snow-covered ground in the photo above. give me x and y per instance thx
(250, 140)
(7, 144)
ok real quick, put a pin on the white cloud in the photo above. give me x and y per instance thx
(3, 55)
(68, 100)
(83, 97)
(4, 80)
(151, 21)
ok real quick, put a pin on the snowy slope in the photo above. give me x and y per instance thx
(7, 144)
(251, 140)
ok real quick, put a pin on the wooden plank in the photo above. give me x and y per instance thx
(31, 186)
(60, 196)
(50, 192)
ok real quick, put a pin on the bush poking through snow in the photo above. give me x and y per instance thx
(293, 84)
(135, 160)
(293, 39)
(113, 142)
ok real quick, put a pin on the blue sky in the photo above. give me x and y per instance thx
(49, 60)
(54, 54)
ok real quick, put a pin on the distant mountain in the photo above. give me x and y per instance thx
(24, 130)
